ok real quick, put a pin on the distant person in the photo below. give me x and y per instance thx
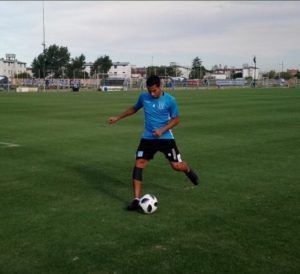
(47, 83)
(161, 115)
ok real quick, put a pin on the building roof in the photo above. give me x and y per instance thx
(88, 64)
(120, 63)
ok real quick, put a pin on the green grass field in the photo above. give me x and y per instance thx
(65, 186)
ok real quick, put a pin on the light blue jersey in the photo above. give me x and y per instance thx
(158, 112)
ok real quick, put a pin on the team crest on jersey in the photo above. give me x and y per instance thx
(161, 105)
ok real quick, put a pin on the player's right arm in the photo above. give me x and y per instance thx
(130, 111)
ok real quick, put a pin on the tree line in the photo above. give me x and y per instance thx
(56, 62)
(287, 75)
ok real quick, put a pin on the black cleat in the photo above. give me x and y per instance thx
(193, 177)
(135, 204)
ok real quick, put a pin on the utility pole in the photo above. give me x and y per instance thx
(281, 69)
(44, 47)
(254, 81)
(154, 69)
(200, 69)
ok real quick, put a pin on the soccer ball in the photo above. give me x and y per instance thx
(148, 203)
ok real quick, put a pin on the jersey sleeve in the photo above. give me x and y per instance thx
(139, 103)
(174, 109)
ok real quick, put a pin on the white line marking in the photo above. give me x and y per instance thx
(9, 144)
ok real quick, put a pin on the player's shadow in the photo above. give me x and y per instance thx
(106, 184)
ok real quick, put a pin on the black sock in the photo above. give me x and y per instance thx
(192, 176)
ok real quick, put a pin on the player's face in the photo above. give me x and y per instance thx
(154, 91)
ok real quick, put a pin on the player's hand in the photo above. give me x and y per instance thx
(157, 133)
(112, 120)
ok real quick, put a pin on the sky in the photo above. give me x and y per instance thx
(146, 33)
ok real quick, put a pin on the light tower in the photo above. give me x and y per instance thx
(254, 81)
(44, 48)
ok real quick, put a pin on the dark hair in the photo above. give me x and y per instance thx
(153, 80)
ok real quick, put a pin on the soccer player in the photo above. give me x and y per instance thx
(161, 115)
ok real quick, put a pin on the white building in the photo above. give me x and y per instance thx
(216, 76)
(120, 69)
(29, 71)
(220, 73)
(88, 67)
(10, 66)
(251, 72)
(185, 71)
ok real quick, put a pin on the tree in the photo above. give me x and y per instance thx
(52, 61)
(76, 67)
(272, 74)
(38, 66)
(174, 71)
(101, 65)
(286, 75)
(198, 71)
(298, 74)
(196, 66)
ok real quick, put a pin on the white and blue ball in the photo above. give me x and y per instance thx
(148, 203)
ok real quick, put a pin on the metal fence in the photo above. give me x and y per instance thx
(139, 84)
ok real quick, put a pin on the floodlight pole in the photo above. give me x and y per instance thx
(44, 48)
(254, 81)
(152, 66)
(200, 71)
